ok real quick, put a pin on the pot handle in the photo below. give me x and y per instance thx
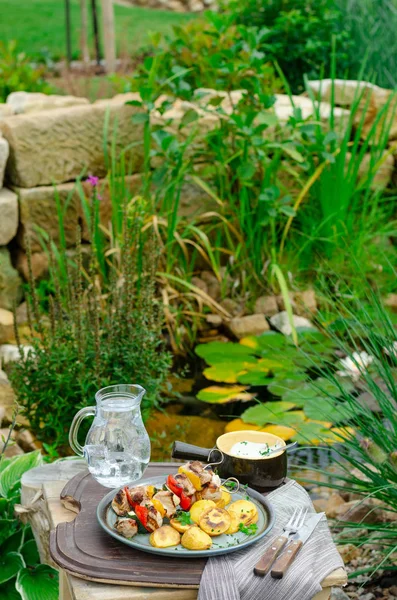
(182, 450)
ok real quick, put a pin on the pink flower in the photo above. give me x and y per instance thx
(92, 180)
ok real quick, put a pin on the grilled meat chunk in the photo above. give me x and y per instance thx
(211, 491)
(139, 495)
(120, 503)
(126, 527)
(184, 481)
(197, 468)
(154, 520)
(169, 500)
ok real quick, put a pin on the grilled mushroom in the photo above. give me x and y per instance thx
(126, 527)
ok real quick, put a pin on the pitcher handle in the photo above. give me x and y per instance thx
(73, 441)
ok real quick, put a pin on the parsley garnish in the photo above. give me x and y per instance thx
(230, 485)
(184, 518)
(248, 529)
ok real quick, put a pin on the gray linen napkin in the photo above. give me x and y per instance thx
(231, 577)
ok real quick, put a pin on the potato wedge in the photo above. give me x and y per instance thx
(178, 525)
(215, 521)
(244, 510)
(196, 539)
(199, 507)
(234, 525)
(164, 537)
(224, 500)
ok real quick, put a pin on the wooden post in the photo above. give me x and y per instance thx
(85, 52)
(68, 33)
(109, 35)
(96, 32)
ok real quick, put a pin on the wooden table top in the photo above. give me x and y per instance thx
(73, 588)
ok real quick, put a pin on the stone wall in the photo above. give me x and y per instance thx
(47, 142)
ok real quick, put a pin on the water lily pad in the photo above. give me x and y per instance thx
(220, 352)
(224, 394)
(300, 394)
(292, 418)
(325, 409)
(226, 372)
(340, 434)
(240, 425)
(262, 414)
(309, 432)
(270, 339)
(285, 433)
(254, 377)
(281, 386)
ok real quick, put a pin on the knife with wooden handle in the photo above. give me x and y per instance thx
(283, 562)
(263, 565)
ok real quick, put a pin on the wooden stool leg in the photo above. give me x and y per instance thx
(64, 588)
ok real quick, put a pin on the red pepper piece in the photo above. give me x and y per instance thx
(186, 502)
(127, 493)
(142, 513)
(173, 485)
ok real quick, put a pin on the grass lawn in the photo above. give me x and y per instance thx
(39, 26)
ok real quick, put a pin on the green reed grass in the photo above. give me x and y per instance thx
(367, 460)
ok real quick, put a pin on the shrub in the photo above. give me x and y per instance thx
(299, 35)
(214, 52)
(96, 337)
(18, 74)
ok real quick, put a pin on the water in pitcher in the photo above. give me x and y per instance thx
(114, 469)
(117, 447)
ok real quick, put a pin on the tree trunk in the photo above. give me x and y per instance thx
(85, 52)
(109, 35)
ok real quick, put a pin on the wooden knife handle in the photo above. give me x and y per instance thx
(263, 565)
(283, 562)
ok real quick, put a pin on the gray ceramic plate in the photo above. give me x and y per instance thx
(222, 544)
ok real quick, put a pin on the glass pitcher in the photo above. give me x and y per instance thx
(117, 446)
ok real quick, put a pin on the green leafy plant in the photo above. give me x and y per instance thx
(21, 574)
(94, 337)
(18, 74)
(212, 52)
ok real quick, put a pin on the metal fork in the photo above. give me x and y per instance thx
(295, 522)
